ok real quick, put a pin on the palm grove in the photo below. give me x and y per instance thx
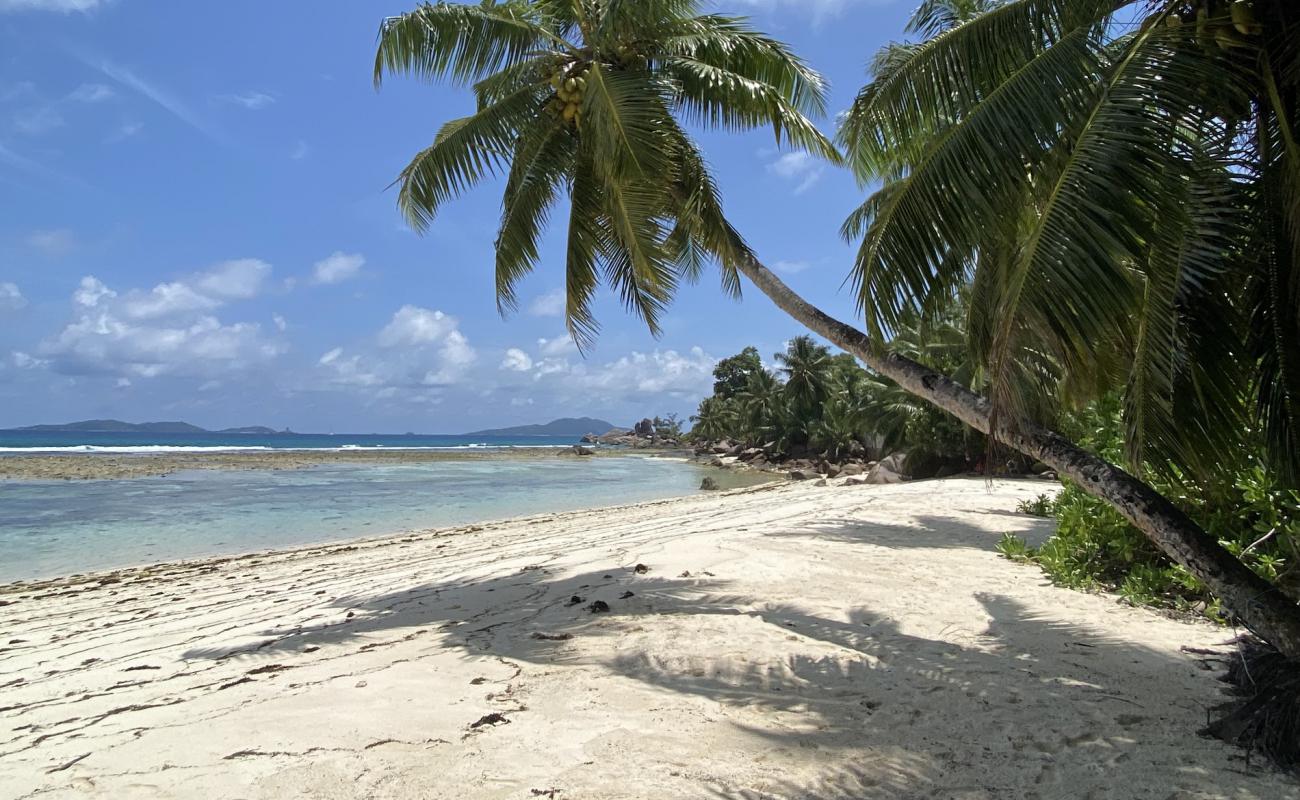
(1103, 195)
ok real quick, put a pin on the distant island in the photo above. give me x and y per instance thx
(568, 426)
(118, 426)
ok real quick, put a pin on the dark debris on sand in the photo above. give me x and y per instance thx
(1266, 717)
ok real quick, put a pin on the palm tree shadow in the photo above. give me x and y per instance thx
(1017, 688)
(928, 531)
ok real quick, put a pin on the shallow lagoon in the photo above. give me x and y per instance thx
(52, 528)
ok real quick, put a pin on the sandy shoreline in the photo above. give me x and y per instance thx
(787, 641)
(107, 466)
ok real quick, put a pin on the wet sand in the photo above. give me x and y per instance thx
(786, 641)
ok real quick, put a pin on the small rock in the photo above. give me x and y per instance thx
(639, 569)
(598, 607)
(490, 719)
(575, 600)
(709, 485)
(579, 450)
(478, 681)
(626, 595)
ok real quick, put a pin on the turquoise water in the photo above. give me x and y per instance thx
(51, 528)
(83, 442)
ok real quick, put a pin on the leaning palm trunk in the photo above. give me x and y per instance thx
(1256, 603)
(583, 100)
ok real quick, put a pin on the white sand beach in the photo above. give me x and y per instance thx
(790, 641)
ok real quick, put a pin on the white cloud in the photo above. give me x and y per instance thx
(252, 101)
(550, 304)
(11, 299)
(281, 324)
(559, 346)
(63, 6)
(239, 279)
(517, 360)
(792, 267)
(167, 330)
(420, 350)
(91, 291)
(52, 243)
(92, 93)
(99, 342)
(635, 376)
(800, 168)
(338, 267)
(416, 326)
(27, 361)
(300, 151)
(166, 299)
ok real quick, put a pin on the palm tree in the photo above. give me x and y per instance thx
(585, 98)
(807, 368)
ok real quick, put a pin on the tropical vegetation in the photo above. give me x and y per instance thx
(1117, 191)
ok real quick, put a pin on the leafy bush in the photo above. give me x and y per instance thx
(1040, 506)
(1095, 548)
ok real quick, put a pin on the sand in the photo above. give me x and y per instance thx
(789, 641)
(106, 466)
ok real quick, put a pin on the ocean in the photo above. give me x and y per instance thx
(74, 442)
(54, 528)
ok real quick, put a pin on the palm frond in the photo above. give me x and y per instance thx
(463, 43)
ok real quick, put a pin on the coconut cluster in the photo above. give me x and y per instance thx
(570, 85)
(1226, 23)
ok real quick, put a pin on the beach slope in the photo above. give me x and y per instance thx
(789, 641)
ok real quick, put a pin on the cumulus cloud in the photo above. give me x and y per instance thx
(338, 267)
(559, 346)
(11, 299)
(91, 291)
(800, 168)
(517, 360)
(419, 349)
(240, 279)
(98, 342)
(550, 304)
(635, 376)
(416, 326)
(166, 330)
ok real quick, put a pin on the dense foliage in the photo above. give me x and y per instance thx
(818, 403)
(1246, 508)
(1116, 186)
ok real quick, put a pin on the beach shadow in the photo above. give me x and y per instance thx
(1022, 694)
(929, 531)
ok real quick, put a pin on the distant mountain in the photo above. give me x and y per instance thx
(257, 430)
(560, 427)
(118, 426)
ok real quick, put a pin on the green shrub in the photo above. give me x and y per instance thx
(1015, 548)
(1040, 506)
(1095, 548)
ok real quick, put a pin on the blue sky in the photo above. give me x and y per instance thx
(197, 226)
